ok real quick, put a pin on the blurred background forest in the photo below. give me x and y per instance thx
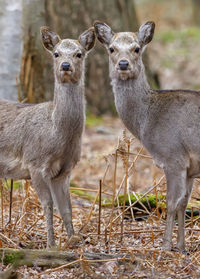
(172, 59)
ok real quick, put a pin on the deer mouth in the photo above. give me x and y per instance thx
(66, 73)
(68, 76)
(127, 74)
(124, 74)
(123, 71)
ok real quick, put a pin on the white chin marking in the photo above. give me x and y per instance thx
(124, 76)
(127, 75)
(67, 73)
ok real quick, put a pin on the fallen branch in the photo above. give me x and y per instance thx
(50, 258)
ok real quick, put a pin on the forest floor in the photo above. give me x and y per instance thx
(141, 240)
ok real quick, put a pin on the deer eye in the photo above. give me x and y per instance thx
(79, 55)
(137, 49)
(111, 49)
(56, 54)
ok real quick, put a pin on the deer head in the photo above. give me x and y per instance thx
(68, 55)
(124, 48)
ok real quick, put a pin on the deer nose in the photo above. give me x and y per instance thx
(123, 65)
(65, 66)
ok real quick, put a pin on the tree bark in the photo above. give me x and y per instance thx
(10, 45)
(196, 11)
(34, 85)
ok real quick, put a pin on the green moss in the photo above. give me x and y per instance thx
(13, 258)
(16, 184)
(90, 197)
(195, 204)
(149, 201)
(92, 120)
(82, 194)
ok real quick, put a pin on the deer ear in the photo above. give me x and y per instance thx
(145, 34)
(104, 32)
(87, 39)
(49, 38)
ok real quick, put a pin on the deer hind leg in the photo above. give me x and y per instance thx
(176, 192)
(181, 215)
(61, 197)
(44, 195)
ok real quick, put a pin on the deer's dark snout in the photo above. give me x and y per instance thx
(65, 66)
(123, 65)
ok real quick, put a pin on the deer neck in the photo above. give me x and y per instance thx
(68, 108)
(132, 99)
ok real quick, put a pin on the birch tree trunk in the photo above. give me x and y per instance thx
(10, 45)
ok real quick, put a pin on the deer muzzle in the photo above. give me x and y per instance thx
(65, 66)
(123, 65)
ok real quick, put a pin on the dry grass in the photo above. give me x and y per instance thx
(126, 166)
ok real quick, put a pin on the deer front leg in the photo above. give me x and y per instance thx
(176, 191)
(44, 195)
(181, 215)
(61, 197)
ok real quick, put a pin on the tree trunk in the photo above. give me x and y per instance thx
(10, 45)
(196, 11)
(33, 76)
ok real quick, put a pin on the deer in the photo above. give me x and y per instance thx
(42, 142)
(166, 122)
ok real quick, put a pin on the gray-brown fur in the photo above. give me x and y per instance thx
(167, 122)
(43, 141)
